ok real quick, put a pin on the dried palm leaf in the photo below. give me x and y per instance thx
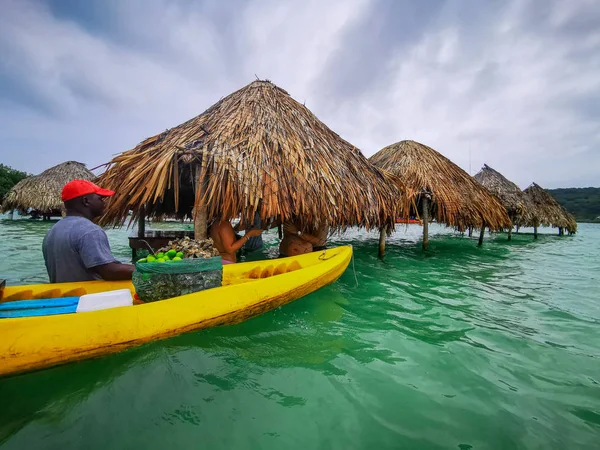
(457, 199)
(259, 148)
(43, 192)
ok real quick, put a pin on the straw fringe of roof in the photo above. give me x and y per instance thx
(548, 212)
(458, 200)
(43, 192)
(519, 207)
(257, 148)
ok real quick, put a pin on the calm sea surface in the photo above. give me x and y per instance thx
(460, 348)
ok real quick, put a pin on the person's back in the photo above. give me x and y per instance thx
(293, 243)
(76, 249)
(73, 247)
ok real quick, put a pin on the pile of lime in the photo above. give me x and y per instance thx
(170, 256)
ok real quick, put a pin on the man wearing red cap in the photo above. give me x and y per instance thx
(76, 249)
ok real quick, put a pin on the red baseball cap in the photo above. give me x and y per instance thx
(78, 188)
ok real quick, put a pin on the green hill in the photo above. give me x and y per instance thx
(8, 178)
(583, 203)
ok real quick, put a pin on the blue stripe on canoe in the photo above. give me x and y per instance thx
(38, 312)
(36, 304)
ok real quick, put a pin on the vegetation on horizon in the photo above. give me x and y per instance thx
(583, 203)
(8, 178)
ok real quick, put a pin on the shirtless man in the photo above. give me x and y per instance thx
(224, 240)
(295, 242)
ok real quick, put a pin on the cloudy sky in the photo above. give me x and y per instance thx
(514, 84)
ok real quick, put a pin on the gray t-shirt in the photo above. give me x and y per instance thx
(72, 247)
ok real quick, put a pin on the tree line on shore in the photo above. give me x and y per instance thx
(583, 203)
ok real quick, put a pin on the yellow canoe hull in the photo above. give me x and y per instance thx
(249, 289)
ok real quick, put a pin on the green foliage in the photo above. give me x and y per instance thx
(583, 203)
(8, 178)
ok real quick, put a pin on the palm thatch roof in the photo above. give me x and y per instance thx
(256, 148)
(43, 192)
(548, 212)
(457, 199)
(519, 207)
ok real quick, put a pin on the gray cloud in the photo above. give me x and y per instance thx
(513, 84)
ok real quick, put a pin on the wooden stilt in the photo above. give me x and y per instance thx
(200, 209)
(11, 216)
(517, 230)
(141, 230)
(470, 231)
(280, 231)
(382, 242)
(425, 214)
(142, 222)
(480, 243)
(200, 223)
(560, 231)
(510, 233)
(535, 232)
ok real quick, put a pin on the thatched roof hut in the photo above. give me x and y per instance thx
(257, 148)
(548, 212)
(456, 198)
(519, 207)
(43, 192)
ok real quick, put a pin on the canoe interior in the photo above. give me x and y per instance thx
(232, 274)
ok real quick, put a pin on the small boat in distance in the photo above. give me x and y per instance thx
(409, 221)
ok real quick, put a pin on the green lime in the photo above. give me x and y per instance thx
(150, 258)
(160, 260)
(143, 260)
(172, 253)
(177, 258)
(179, 254)
(160, 255)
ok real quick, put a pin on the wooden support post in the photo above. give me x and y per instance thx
(517, 230)
(141, 230)
(280, 231)
(382, 242)
(200, 223)
(425, 214)
(12, 214)
(142, 222)
(480, 243)
(560, 231)
(470, 231)
(510, 233)
(535, 232)
(200, 209)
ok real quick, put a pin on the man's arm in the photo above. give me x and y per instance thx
(115, 271)
(95, 253)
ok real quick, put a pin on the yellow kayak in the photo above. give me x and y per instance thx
(249, 289)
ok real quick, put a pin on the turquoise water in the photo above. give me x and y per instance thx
(463, 347)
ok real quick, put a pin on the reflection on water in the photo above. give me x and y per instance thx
(459, 347)
(51, 394)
